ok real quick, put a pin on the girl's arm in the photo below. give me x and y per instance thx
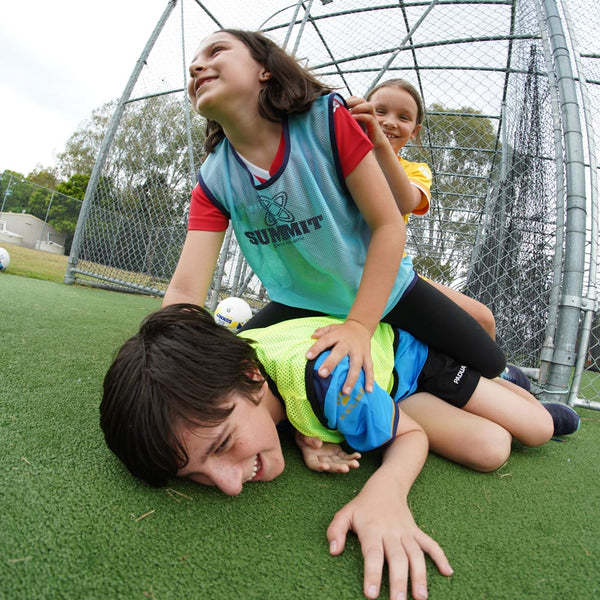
(407, 196)
(192, 277)
(384, 524)
(373, 197)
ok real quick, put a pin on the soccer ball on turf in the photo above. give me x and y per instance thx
(232, 313)
(4, 259)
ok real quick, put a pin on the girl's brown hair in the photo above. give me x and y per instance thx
(291, 88)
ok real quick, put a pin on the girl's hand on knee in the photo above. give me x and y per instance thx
(351, 339)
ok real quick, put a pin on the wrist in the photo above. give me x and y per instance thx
(364, 323)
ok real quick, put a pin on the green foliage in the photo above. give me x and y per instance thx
(140, 203)
(59, 207)
(45, 177)
(82, 147)
(75, 187)
(14, 192)
(460, 145)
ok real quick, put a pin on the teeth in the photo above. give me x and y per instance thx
(257, 465)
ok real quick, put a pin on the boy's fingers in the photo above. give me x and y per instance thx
(337, 531)
(398, 565)
(374, 558)
(434, 550)
(415, 562)
(313, 442)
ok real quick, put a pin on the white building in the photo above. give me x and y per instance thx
(30, 232)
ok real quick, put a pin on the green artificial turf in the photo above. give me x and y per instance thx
(75, 525)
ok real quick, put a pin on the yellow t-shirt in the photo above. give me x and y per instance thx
(419, 174)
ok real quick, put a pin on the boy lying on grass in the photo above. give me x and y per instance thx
(187, 398)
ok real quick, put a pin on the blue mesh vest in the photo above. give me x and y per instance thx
(300, 231)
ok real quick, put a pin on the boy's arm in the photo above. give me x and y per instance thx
(382, 520)
(325, 456)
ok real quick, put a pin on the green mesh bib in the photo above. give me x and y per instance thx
(281, 349)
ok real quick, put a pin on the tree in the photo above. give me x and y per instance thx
(75, 187)
(461, 145)
(14, 192)
(46, 177)
(139, 208)
(82, 147)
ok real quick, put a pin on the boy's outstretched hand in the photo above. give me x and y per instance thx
(382, 520)
(325, 456)
(387, 533)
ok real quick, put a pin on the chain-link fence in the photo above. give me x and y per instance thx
(55, 215)
(512, 91)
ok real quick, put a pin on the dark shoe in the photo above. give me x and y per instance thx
(566, 420)
(513, 374)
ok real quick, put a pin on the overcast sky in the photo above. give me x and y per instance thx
(59, 60)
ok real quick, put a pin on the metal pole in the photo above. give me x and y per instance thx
(106, 143)
(565, 346)
(590, 302)
(45, 220)
(302, 25)
(187, 104)
(6, 193)
(401, 46)
(557, 261)
(291, 25)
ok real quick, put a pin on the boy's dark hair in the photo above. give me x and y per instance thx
(181, 367)
(412, 90)
(291, 88)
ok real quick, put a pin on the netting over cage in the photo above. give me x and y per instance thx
(512, 92)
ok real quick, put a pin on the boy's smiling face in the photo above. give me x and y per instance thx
(245, 447)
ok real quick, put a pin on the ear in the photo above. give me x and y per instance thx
(415, 131)
(264, 76)
(264, 388)
(254, 374)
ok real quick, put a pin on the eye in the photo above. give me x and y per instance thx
(216, 49)
(223, 445)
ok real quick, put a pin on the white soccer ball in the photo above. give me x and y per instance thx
(4, 259)
(232, 313)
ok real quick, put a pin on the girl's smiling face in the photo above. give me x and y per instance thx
(224, 77)
(397, 113)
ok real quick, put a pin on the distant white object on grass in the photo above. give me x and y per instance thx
(232, 313)
(4, 259)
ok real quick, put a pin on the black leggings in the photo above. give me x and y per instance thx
(427, 314)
